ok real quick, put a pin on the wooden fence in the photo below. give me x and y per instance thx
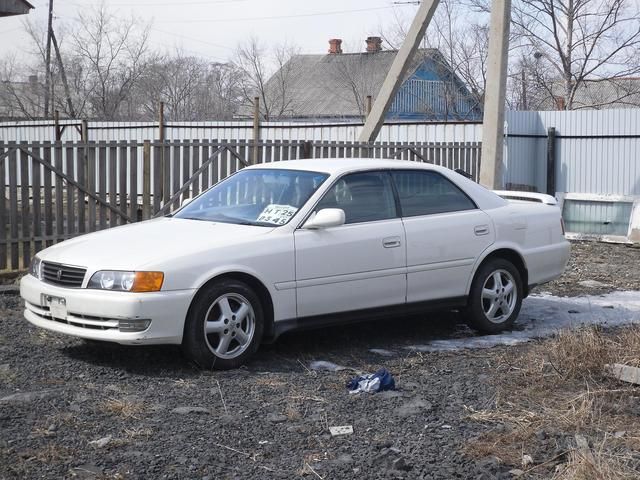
(56, 191)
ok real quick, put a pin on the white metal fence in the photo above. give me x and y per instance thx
(597, 152)
(40, 130)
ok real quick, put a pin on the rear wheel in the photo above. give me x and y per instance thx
(224, 326)
(496, 296)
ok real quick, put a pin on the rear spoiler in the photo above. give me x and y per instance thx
(527, 197)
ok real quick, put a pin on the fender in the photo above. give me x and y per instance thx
(501, 245)
(284, 301)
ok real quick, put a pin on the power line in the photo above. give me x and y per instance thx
(186, 37)
(279, 17)
(158, 4)
(173, 4)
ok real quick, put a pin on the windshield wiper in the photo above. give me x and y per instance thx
(241, 221)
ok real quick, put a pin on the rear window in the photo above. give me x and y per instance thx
(428, 193)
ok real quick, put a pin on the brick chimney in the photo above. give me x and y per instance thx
(335, 46)
(374, 44)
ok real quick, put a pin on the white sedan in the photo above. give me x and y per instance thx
(300, 244)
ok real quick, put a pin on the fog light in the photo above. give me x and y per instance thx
(133, 325)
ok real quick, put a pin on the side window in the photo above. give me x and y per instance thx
(426, 193)
(364, 197)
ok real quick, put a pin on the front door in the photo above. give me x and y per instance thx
(360, 264)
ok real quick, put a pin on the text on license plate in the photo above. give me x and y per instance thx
(57, 306)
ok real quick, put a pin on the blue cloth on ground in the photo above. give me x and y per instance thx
(374, 382)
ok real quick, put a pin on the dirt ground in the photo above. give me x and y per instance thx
(71, 409)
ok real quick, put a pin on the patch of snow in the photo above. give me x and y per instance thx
(544, 315)
(593, 284)
(382, 352)
(328, 366)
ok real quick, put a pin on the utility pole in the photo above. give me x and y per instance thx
(398, 69)
(63, 75)
(523, 79)
(47, 61)
(494, 97)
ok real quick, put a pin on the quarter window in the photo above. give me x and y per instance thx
(427, 193)
(364, 197)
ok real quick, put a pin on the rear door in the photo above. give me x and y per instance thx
(445, 232)
(360, 264)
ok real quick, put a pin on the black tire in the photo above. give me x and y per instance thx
(205, 349)
(478, 312)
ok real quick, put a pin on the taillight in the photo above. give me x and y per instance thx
(562, 225)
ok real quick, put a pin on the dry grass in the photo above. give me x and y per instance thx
(50, 453)
(6, 374)
(579, 354)
(182, 383)
(123, 408)
(560, 387)
(269, 382)
(137, 432)
(599, 464)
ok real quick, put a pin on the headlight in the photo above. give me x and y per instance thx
(35, 268)
(126, 281)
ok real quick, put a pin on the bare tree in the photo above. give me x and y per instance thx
(190, 87)
(267, 74)
(573, 42)
(223, 91)
(21, 94)
(109, 55)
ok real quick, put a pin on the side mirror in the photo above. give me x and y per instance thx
(325, 218)
(186, 202)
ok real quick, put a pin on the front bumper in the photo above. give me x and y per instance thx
(96, 314)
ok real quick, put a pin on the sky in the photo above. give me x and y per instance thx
(213, 29)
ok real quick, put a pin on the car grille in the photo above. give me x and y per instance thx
(63, 275)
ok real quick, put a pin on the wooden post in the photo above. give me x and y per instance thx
(161, 122)
(551, 161)
(307, 147)
(256, 130)
(164, 162)
(56, 125)
(84, 132)
(146, 180)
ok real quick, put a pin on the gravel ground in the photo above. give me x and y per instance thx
(71, 409)
(612, 266)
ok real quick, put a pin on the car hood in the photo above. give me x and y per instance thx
(132, 247)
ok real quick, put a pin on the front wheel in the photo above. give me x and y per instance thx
(224, 326)
(496, 296)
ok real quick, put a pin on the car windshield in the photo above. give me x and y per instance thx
(264, 197)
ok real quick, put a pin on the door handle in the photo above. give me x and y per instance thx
(480, 230)
(391, 242)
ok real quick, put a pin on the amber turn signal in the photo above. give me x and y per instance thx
(147, 282)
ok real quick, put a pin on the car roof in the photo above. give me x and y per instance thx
(342, 165)
(483, 197)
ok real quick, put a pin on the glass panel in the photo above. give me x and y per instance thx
(597, 218)
(427, 193)
(364, 197)
(266, 197)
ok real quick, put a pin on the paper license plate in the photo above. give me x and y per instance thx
(57, 306)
